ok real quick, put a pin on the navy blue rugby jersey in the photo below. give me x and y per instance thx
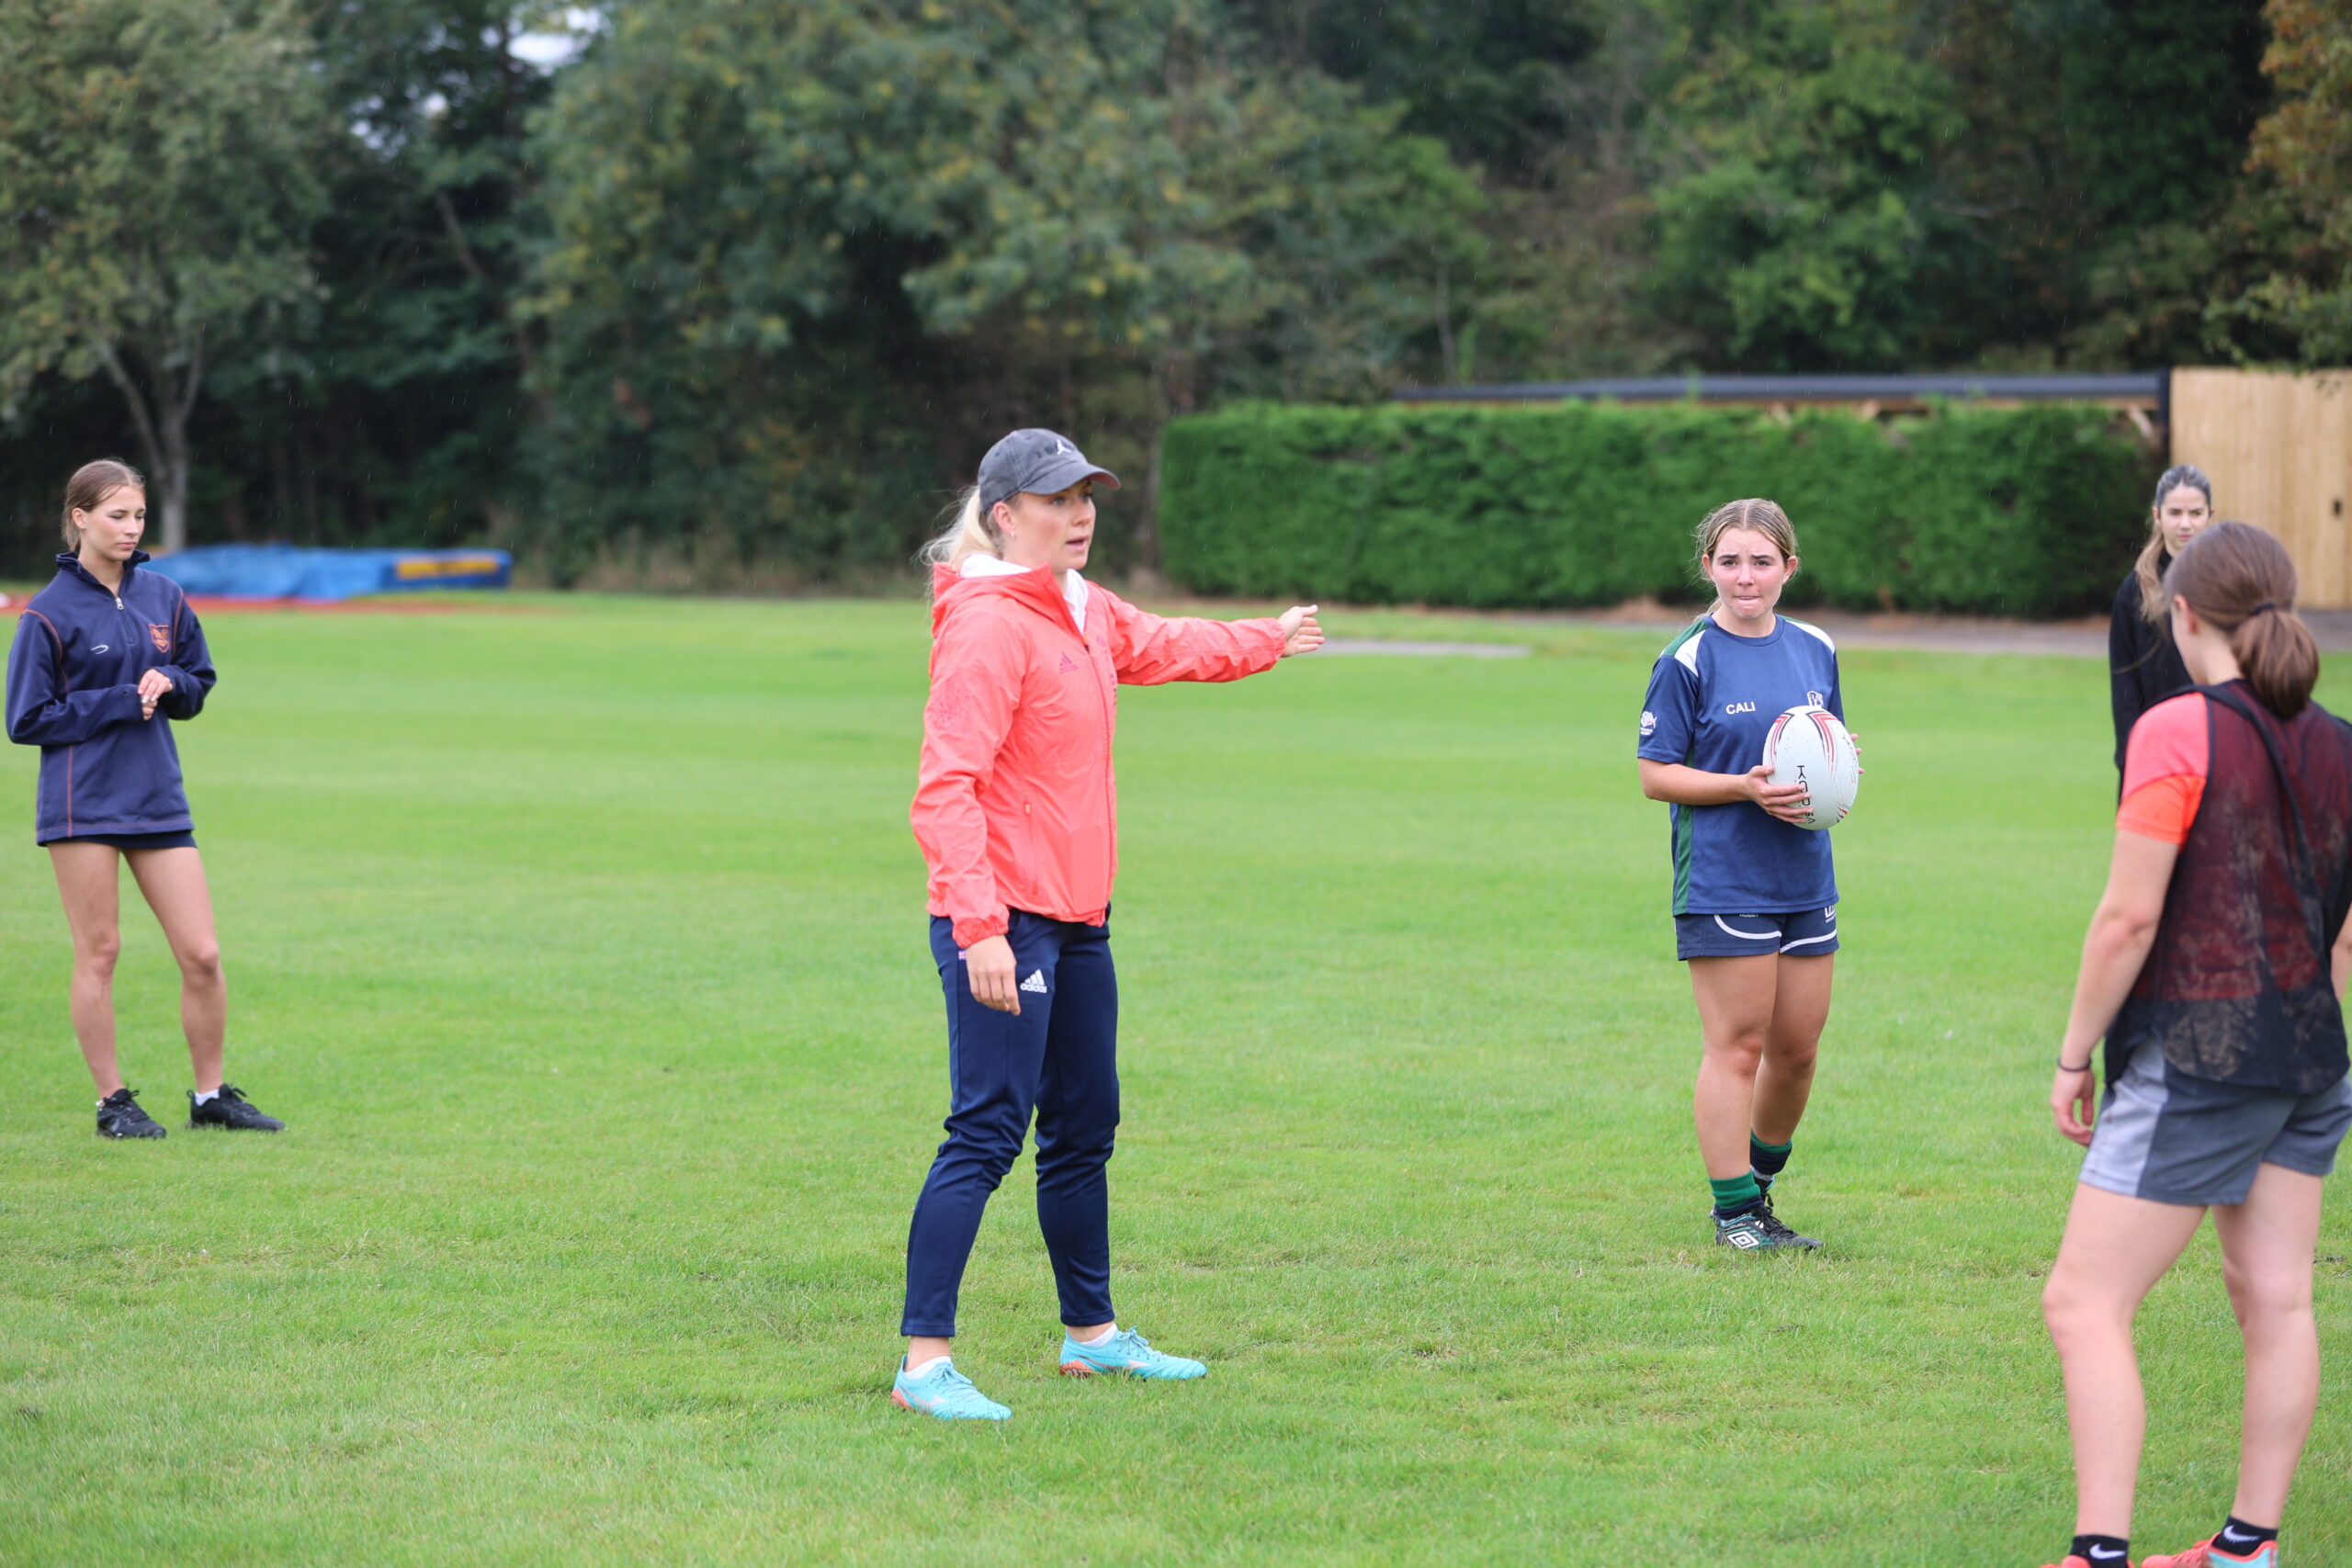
(1711, 702)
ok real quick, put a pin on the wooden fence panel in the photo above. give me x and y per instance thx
(2279, 447)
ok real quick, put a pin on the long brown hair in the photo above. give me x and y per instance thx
(2152, 590)
(2240, 579)
(91, 484)
(1765, 516)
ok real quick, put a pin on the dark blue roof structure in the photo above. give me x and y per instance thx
(2138, 389)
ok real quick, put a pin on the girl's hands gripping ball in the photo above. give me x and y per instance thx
(1809, 751)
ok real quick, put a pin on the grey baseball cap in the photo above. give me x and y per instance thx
(1037, 461)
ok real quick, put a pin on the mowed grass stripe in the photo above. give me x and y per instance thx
(583, 947)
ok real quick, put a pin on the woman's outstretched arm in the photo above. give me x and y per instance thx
(1150, 650)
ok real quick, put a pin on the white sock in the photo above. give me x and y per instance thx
(206, 1097)
(924, 1370)
(1103, 1337)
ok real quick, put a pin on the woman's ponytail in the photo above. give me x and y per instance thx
(2241, 580)
(969, 533)
(2278, 658)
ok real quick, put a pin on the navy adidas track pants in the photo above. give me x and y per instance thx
(1057, 1059)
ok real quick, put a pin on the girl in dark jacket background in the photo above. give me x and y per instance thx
(105, 659)
(2143, 667)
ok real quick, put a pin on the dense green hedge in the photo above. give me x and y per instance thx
(2032, 511)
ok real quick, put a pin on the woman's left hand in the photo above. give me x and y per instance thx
(151, 687)
(2072, 1097)
(1300, 633)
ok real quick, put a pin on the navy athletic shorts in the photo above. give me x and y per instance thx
(1803, 933)
(183, 839)
(2171, 1138)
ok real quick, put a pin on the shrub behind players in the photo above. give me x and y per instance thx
(105, 659)
(1755, 897)
(2214, 967)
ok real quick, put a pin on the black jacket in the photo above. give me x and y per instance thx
(2142, 666)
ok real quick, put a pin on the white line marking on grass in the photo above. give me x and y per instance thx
(1347, 645)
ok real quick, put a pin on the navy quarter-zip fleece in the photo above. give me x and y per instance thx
(74, 675)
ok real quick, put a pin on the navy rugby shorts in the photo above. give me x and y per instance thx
(1801, 933)
(183, 839)
(2171, 1138)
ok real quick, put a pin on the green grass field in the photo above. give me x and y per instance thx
(582, 945)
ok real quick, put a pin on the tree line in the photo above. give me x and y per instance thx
(738, 290)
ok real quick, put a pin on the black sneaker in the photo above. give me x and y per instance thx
(119, 1117)
(1759, 1230)
(1791, 1239)
(231, 1109)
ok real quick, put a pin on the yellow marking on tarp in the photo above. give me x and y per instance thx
(455, 566)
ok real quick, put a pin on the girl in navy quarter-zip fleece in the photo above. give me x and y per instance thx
(74, 672)
(104, 658)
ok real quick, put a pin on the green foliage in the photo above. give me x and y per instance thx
(2024, 512)
(385, 405)
(156, 174)
(399, 415)
(2101, 180)
(2304, 146)
(1502, 83)
(744, 288)
(1810, 235)
(807, 261)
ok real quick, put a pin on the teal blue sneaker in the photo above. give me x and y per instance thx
(1125, 1351)
(945, 1392)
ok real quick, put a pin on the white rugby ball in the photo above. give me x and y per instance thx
(1809, 747)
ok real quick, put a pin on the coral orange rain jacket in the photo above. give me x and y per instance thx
(1016, 805)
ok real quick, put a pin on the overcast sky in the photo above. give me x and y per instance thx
(548, 50)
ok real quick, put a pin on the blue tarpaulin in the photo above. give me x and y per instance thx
(293, 571)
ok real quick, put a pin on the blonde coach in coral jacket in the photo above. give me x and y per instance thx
(1017, 813)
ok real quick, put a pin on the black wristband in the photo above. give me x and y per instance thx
(2064, 1068)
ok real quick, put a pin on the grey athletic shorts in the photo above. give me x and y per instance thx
(2171, 1138)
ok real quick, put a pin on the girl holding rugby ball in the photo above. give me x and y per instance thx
(2215, 968)
(1755, 899)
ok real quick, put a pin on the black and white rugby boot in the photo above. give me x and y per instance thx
(1761, 1230)
(119, 1117)
(232, 1110)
